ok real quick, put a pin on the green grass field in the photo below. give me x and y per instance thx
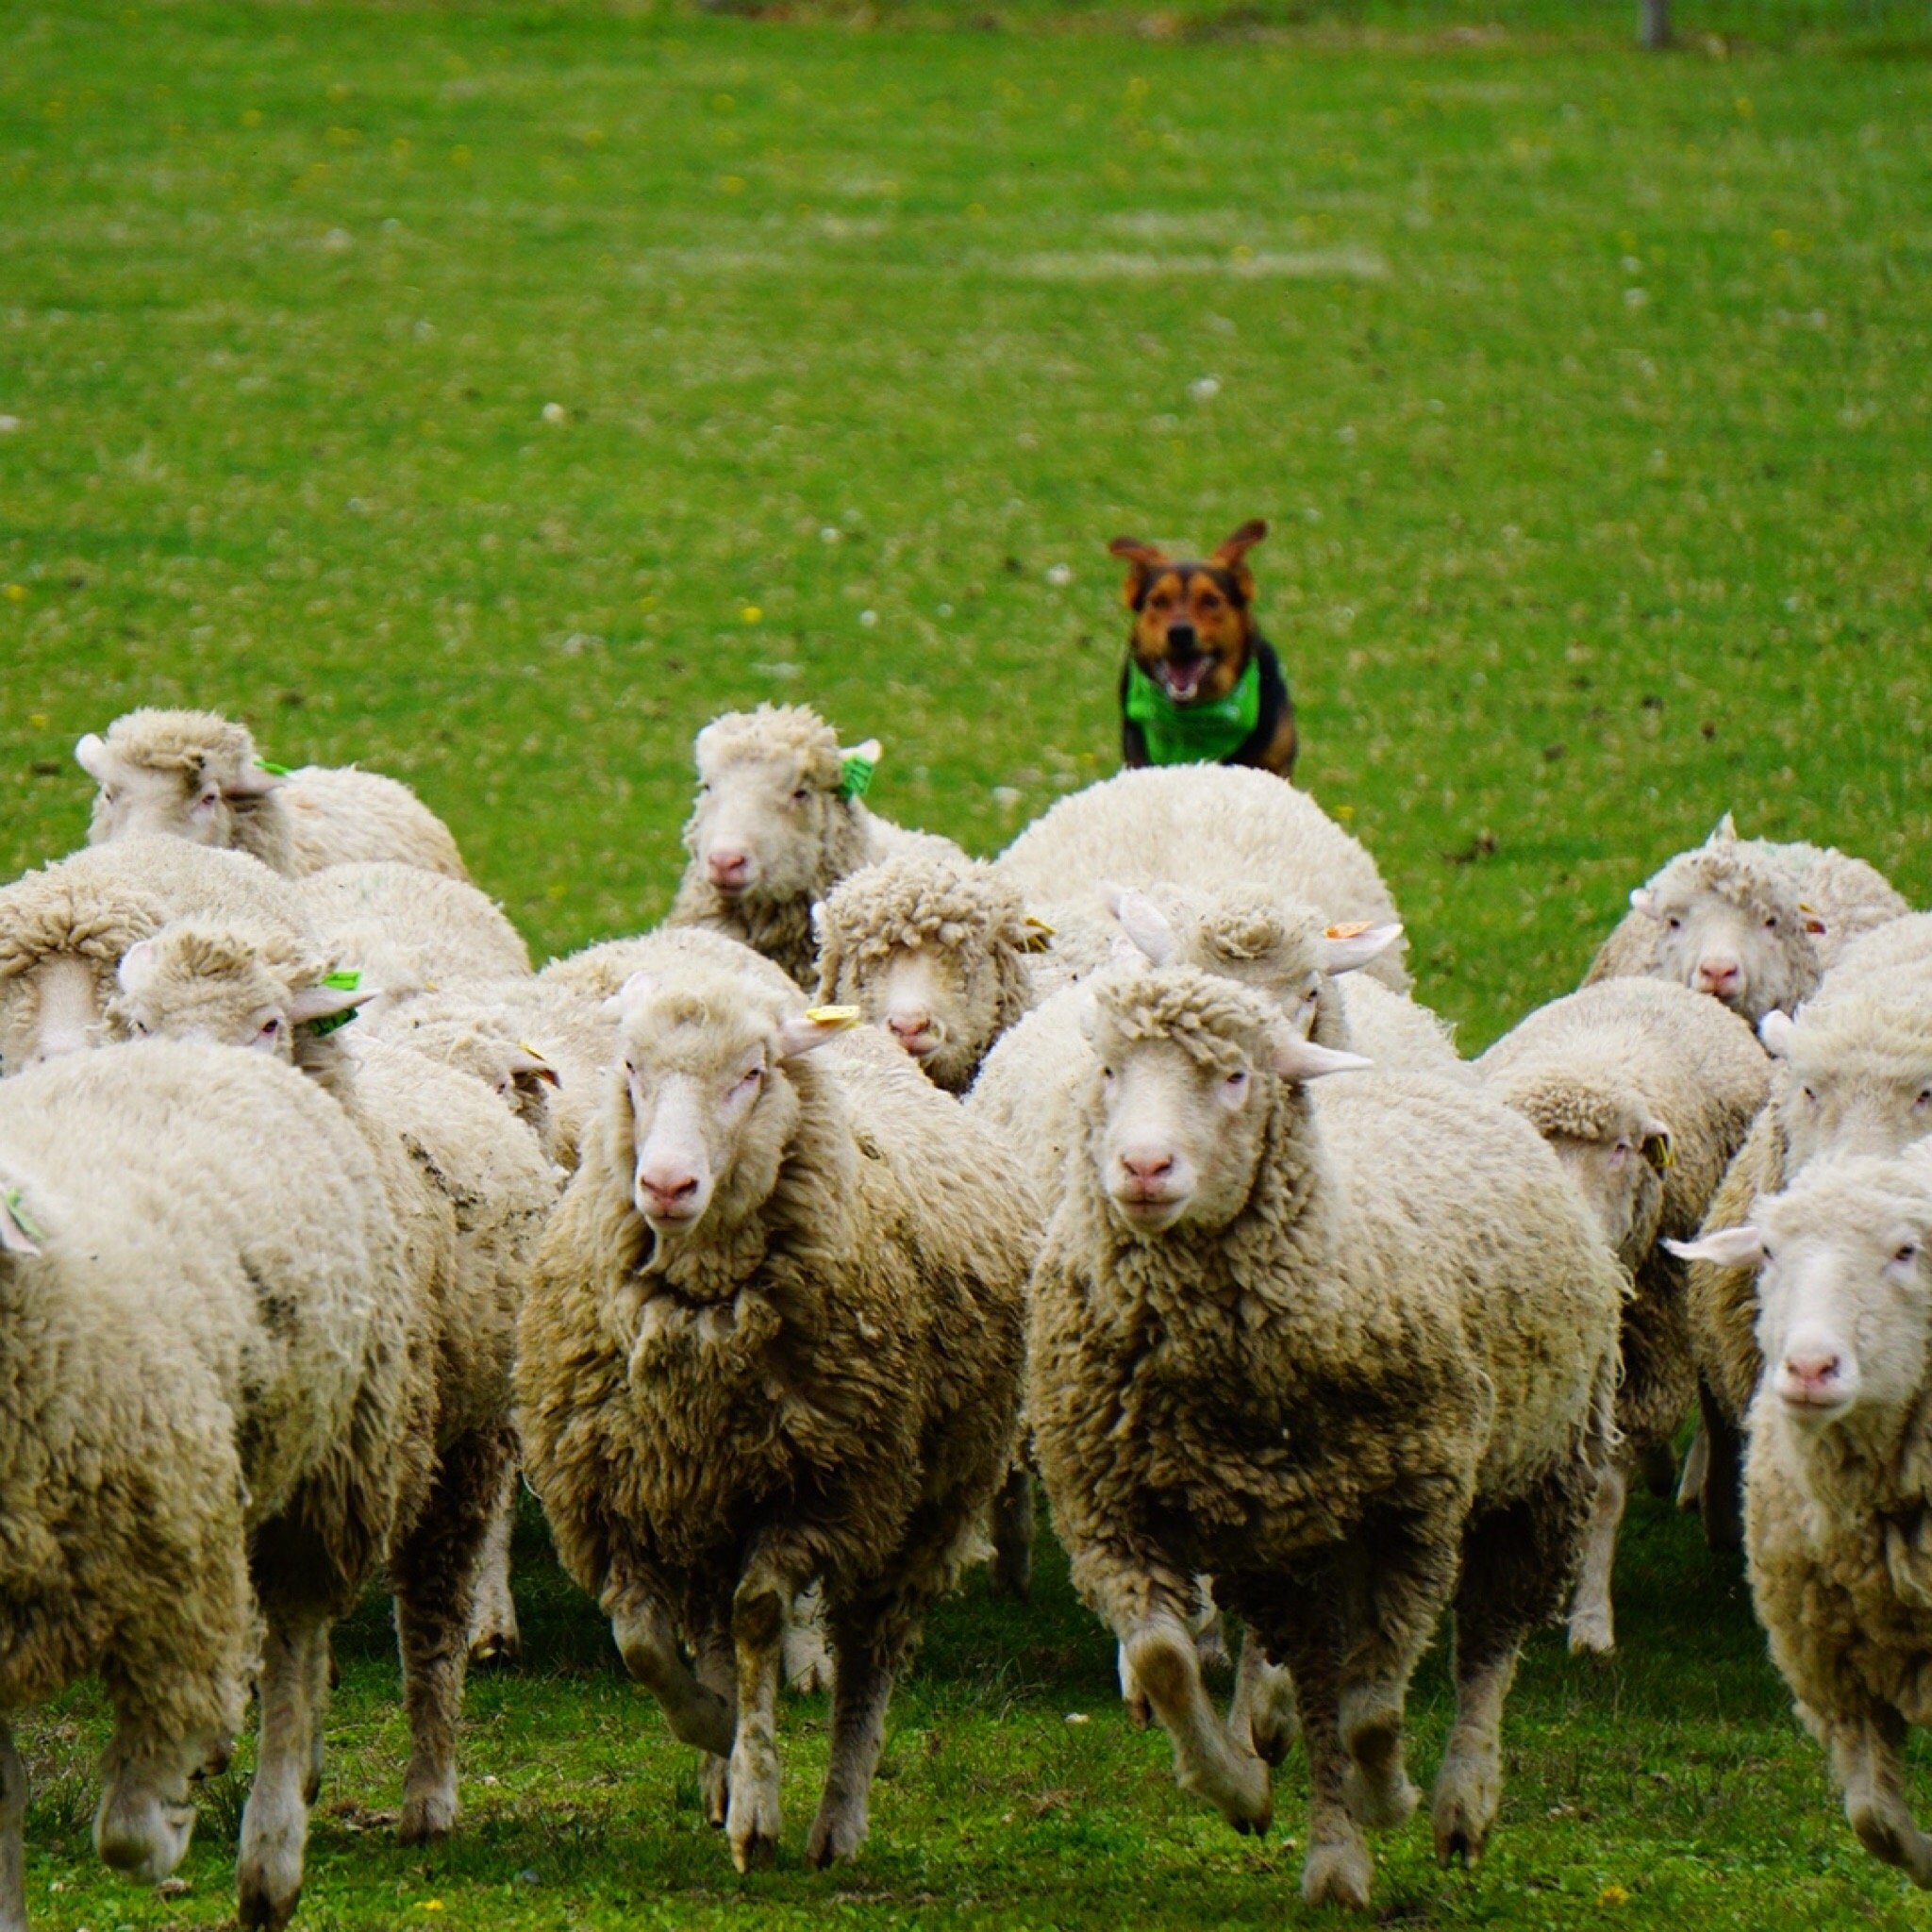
(492, 394)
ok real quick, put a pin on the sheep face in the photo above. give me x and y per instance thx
(193, 792)
(1179, 1111)
(766, 815)
(226, 988)
(934, 1004)
(1844, 1293)
(51, 1007)
(1620, 1176)
(1847, 1097)
(707, 1104)
(1732, 928)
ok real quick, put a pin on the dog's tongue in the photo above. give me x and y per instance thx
(1183, 680)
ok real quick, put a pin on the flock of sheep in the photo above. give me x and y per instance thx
(779, 1247)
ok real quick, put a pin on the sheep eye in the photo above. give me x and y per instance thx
(1810, 1095)
(1771, 923)
(269, 1028)
(800, 796)
(1924, 1097)
(1906, 1254)
(1674, 923)
(1106, 1074)
(142, 1028)
(1237, 1080)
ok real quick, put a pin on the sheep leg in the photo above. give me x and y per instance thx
(1867, 1759)
(1723, 1477)
(1517, 1566)
(757, 1636)
(863, 1648)
(808, 1661)
(648, 1644)
(12, 1836)
(1012, 1534)
(1337, 1869)
(1696, 1471)
(435, 1572)
(717, 1671)
(1262, 1714)
(1207, 1759)
(493, 1634)
(1592, 1628)
(275, 1822)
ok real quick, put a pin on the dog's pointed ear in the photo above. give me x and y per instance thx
(1144, 560)
(1232, 550)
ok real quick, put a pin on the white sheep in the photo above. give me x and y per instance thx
(211, 1393)
(1751, 923)
(1355, 1360)
(1852, 1075)
(774, 1337)
(1838, 1482)
(471, 1191)
(1644, 1090)
(409, 931)
(65, 928)
(1202, 827)
(778, 823)
(195, 775)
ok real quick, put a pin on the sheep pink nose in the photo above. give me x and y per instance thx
(1718, 975)
(728, 868)
(669, 1190)
(907, 1027)
(1147, 1168)
(1813, 1370)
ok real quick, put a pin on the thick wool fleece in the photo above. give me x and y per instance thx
(1409, 1318)
(839, 833)
(838, 1359)
(407, 932)
(1204, 827)
(960, 911)
(316, 817)
(1595, 1066)
(210, 1348)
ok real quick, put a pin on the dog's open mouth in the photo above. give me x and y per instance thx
(1183, 682)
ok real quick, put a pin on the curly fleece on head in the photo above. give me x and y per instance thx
(196, 742)
(1560, 1105)
(1217, 1024)
(45, 913)
(769, 732)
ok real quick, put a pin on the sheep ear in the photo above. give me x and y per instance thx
(1644, 901)
(527, 1070)
(1726, 831)
(92, 756)
(1144, 922)
(1302, 1059)
(325, 1002)
(18, 1233)
(1812, 919)
(1727, 1247)
(136, 964)
(253, 781)
(1658, 1148)
(806, 1032)
(1346, 948)
(639, 985)
(1775, 1030)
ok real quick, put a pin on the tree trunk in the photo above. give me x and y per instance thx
(1654, 23)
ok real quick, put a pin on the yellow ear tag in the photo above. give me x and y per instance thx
(834, 1016)
(1658, 1151)
(1354, 929)
(525, 1046)
(1813, 919)
(1038, 936)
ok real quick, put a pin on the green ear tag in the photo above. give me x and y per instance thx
(855, 779)
(275, 771)
(22, 1218)
(333, 1023)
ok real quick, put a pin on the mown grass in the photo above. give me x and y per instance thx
(1591, 397)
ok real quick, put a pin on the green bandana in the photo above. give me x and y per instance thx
(1193, 734)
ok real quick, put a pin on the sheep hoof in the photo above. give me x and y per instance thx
(836, 1833)
(1592, 1634)
(1893, 1840)
(428, 1815)
(1467, 1795)
(496, 1647)
(259, 1908)
(1375, 1787)
(1338, 1874)
(751, 1819)
(755, 1851)
(140, 1836)
(714, 1790)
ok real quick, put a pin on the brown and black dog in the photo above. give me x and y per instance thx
(1201, 685)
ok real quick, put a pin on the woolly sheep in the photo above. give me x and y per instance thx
(1203, 827)
(1839, 1484)
(409, 931)
(1353, 1360)
(778, 823)
(937, 951)
(1853, 1075)
(471, 1192)
(1751, 923)
(64, 929)
(773, 1336)
(1644, 1090)
(193, 774)
(213, 1397)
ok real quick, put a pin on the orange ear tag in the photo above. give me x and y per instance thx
(1354, 929)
